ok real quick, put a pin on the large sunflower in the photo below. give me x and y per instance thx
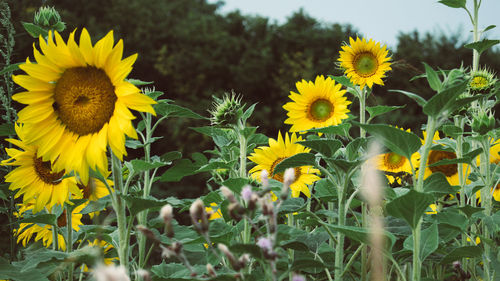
(267, 157)
(44, 232)
(78, 101)
(34, 178)
(317, 104)
(365, 63)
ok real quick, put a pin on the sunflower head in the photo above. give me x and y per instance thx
(48, 18)
(364, 63)
(317, 104)
(268, 157)
(78, 101)
(482, 81)
(226, 111)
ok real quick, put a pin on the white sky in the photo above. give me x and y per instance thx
(381, 20)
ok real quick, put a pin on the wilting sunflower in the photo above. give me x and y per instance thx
(78, 101)
(44, 233)
(267, 157)
(35, 179)
(317, 104)
(364, 63)
(449, 170)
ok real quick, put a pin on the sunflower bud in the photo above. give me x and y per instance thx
(482, 82)
(228, 194)
(483, 123)
(167, 216)
(226, 111)
(199, 216)
(236, 211)
(49, 19)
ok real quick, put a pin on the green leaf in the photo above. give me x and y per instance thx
(248, 113)
(444, 101)
(452, 218)
(171, 156)
(137, 82)
(452, 131)
(429, 242)
(482, 45)
(7, 129)
(140, 166)
(139, 204)
(410, 206)
(297, 160)
(398, 141)
(489, 27)
(10, 68)
(420, 100)
(438, 184)
(236, 184)
(360, 234)
(181, 169)
(172, 110)
(251, 249)
(381, 109)
(49, 219)
(39, 256)
(462, 252)
(341, 130)
(34, 30)
(469, 210)
(13, 272)
(307, 264)
(454, 3)
(291, 205)
(95, 206)
(327, 147)
(432, 78)
(214, 165)
(344, 81)
(354, 147)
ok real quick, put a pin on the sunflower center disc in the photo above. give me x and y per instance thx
(394, 160)
(61, 220)
(279, 176)
(478, 82)
(88, 189)
(365, 64)
(321, 109)
(44, 171)
(448, 170)
(84, 99)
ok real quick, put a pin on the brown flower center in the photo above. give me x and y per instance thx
(84, 99)
(393, 160)
(279, 176)
(44, 171)
(61, 220)
(447, 170)
(88, 189)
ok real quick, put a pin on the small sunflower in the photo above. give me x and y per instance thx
(482, 81)
(34, 178)
(78, 101)
(44, 232)
(364, 63)
(318, 104)
(267, 157)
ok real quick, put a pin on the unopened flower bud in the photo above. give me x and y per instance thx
(252, 203)
(48, 18)
(228, 194)
(166, 213)
(198, 216)
(236, 211)
(211, 270)
(264, 177)
(146, 232)
(482, 123)
(230, 257)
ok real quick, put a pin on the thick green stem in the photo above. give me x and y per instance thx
(486, 202)
(69, 243)
(364, 222)
(290, 251)
(142, 217)
(119, 207)
(460, 122)
(243, 152)
(476, 35)
(339, 251)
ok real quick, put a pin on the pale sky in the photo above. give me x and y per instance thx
(381, 20)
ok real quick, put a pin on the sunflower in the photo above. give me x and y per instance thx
(317, 104)
(105, 247)
(34, 178)
(213, 214)
(364, 63)
(44, 232)
(449, 170)
(267, 157)
(93, 191)
(78, 101)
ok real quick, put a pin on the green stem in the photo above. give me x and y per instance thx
(142, 217)
(69, 243)
(339, 251)
(476, 35)
(119, 206)
(290, 251)
(243, 152)
(364, 222)
(486, 202)
(460, 122)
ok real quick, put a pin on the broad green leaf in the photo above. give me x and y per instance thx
(236, 184)
(138, 204)
(41, 255)
(469, 210)
(324, 188)
(155, 95)
(310, 265)
(7, 129)
(353, 149)
(181, 169)
(344, 165)
(398, 141)
(50, 219)
(452, 131)
(420, 100)
(444, 101)
(291, 205)
(97, 205)
(432, 78)
(453, 3)
(172, 110)
(10, 68)
(462, 252)
(248, 113)
(341, 130)
(171, 156)
(360, 234)
(137, 82)
(251, 249)
(140, 166)
(344, 81)
(295, 245)
(410, 206)
(34, 30)
(482, 45)
(489, 27)
(429, 241)
(326, 147)
(222, 137)
(381, 109)
(438, 184)
(297, 160)
(13, 271)
(452, 218)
